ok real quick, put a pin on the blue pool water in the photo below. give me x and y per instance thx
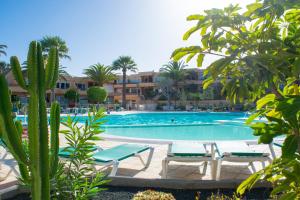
(178, 126)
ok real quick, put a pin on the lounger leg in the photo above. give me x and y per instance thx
(263, 164)
(219, 166)
(252, 167)
(272, 150)
(149, 157)
(164, 168)
(204, 167)
(114, 169)
(141, 159)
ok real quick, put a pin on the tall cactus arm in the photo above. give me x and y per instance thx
(43, 125)
(32, 66)
(50, 68)
(17, 72)
(8, 128)
(24, 172)
(54, 127)
(55, 73)
(33, 121)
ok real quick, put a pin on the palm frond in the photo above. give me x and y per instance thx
(49, 42)
(100, 73)
(124, 63)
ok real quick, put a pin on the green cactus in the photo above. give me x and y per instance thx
(40, 165)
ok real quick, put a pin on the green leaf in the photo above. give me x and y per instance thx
(265, 100)
(288, 196)
(279, 189)
(252, 117)
(203, 31)
(289, 146)
(251, 8)
(249, 183)
(207, 82)
(200, 60)
(190, 32)
(266, 138)
(195, 17)
(190, 57)
(181, 52)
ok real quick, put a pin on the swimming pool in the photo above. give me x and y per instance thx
(178, 125)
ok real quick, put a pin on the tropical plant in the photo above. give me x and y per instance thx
(96, 94)
(38, 161)
(125, 64)
(75, 181)
(2, 49)
(177, 73)
(4, 68)
(72, 95)
(259, 53)
(49, 42)
(100, 74)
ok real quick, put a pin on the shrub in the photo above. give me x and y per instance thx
(72, 95)
(153, 195)
(96, 94)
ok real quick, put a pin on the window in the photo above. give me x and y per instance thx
(80, 86)
(63, 86)
(57, 85)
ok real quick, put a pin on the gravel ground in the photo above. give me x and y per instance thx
(126, 193)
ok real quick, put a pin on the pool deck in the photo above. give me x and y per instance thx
(129, 169)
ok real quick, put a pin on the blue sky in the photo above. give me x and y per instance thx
(101, 30)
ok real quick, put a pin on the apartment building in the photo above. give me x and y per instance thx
(81, 84)
(143, 89)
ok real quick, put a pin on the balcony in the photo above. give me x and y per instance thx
(147, 84)
(128, 85)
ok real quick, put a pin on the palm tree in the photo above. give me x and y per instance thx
(100, 74)
(49, 42)
(2, 49)
(176, 72)
(4, 67)
(124, 63)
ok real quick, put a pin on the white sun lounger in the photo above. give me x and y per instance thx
(239, 152)
(114, 155)
(189, 152)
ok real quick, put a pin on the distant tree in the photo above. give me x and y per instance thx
(49, 42)
(176, 72)
(125, 64)
(2, 49)
(4, 68)
(96, 94)
(100, 74)
(165, 88)
(72, 96)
